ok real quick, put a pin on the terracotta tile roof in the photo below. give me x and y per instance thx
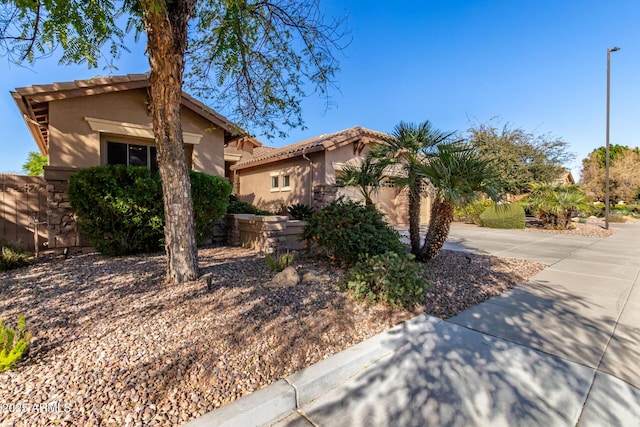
(33, 102)
(311, 145)
(262, 151)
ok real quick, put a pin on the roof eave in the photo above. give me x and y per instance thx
(31, 123)
(284, 156)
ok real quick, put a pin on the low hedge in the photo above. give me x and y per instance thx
(471, 212)
(503, 216)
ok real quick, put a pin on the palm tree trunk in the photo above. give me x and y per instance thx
(166, 24)
(414, 218)
(438, 231)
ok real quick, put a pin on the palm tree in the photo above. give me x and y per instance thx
(554, 203)
(408, 146)
(460, 175)
(366, 177)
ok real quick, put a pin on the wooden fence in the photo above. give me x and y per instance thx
(23, 199)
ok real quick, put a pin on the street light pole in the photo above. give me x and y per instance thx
(606, 161)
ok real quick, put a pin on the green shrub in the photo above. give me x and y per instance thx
(210, 196)
(503, 216)
(633, 207)
(348, 231)
(300, 211)
(471, 212)
(391, 278)
(597, 209)
(237, 206)
(13, 343)
(11, 257)
(279, 262)
(120, 208)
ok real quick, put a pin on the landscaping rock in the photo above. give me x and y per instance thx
(313, 276)
(114, 346)
(286, 278)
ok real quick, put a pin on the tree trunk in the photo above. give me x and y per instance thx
(414, 217)
(166, 25)
(438, 231)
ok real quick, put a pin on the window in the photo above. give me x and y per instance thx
(132, 155)
(280, 181)
(286, 183)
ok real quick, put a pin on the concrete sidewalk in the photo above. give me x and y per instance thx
(563, 349)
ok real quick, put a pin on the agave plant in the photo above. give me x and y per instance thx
(300, 211)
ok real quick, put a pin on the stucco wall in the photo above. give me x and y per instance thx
(338, 155)
(255, 183)
(72, 142)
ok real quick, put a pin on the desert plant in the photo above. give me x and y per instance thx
(120, 208)
(366, 177)
(13, 343)
(504, 216)
(279, 262)
(390, 278)
(459, 175)
(554, 203)
(300, 211)
(12, 257)
(348, 231)
(408, 147)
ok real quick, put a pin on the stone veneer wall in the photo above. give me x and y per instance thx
(266, 234)
(323, 195)
(61, 221)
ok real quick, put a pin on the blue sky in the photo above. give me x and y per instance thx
(539, 65)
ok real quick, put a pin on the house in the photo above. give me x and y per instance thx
(107, 121)
(305, 172)
(103, 121)
(565, 177)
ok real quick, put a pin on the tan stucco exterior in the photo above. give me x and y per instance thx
(312, 167)
(73, 142)
(254, 184)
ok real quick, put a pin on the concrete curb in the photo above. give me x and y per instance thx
(276, 401)
(263, 406)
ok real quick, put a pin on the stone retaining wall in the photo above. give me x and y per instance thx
(267, 234)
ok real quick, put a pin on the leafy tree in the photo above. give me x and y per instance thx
(34, 166)
(260, 56)
(460, 176)
(408, 146)
(624, 173)
(366, 177)
(554, 203)
(523, 157)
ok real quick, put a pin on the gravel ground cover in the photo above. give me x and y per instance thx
(115, 347)
(594, 228)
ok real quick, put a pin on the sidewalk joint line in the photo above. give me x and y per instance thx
(604, 352)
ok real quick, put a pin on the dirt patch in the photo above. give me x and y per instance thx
(115, 347)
